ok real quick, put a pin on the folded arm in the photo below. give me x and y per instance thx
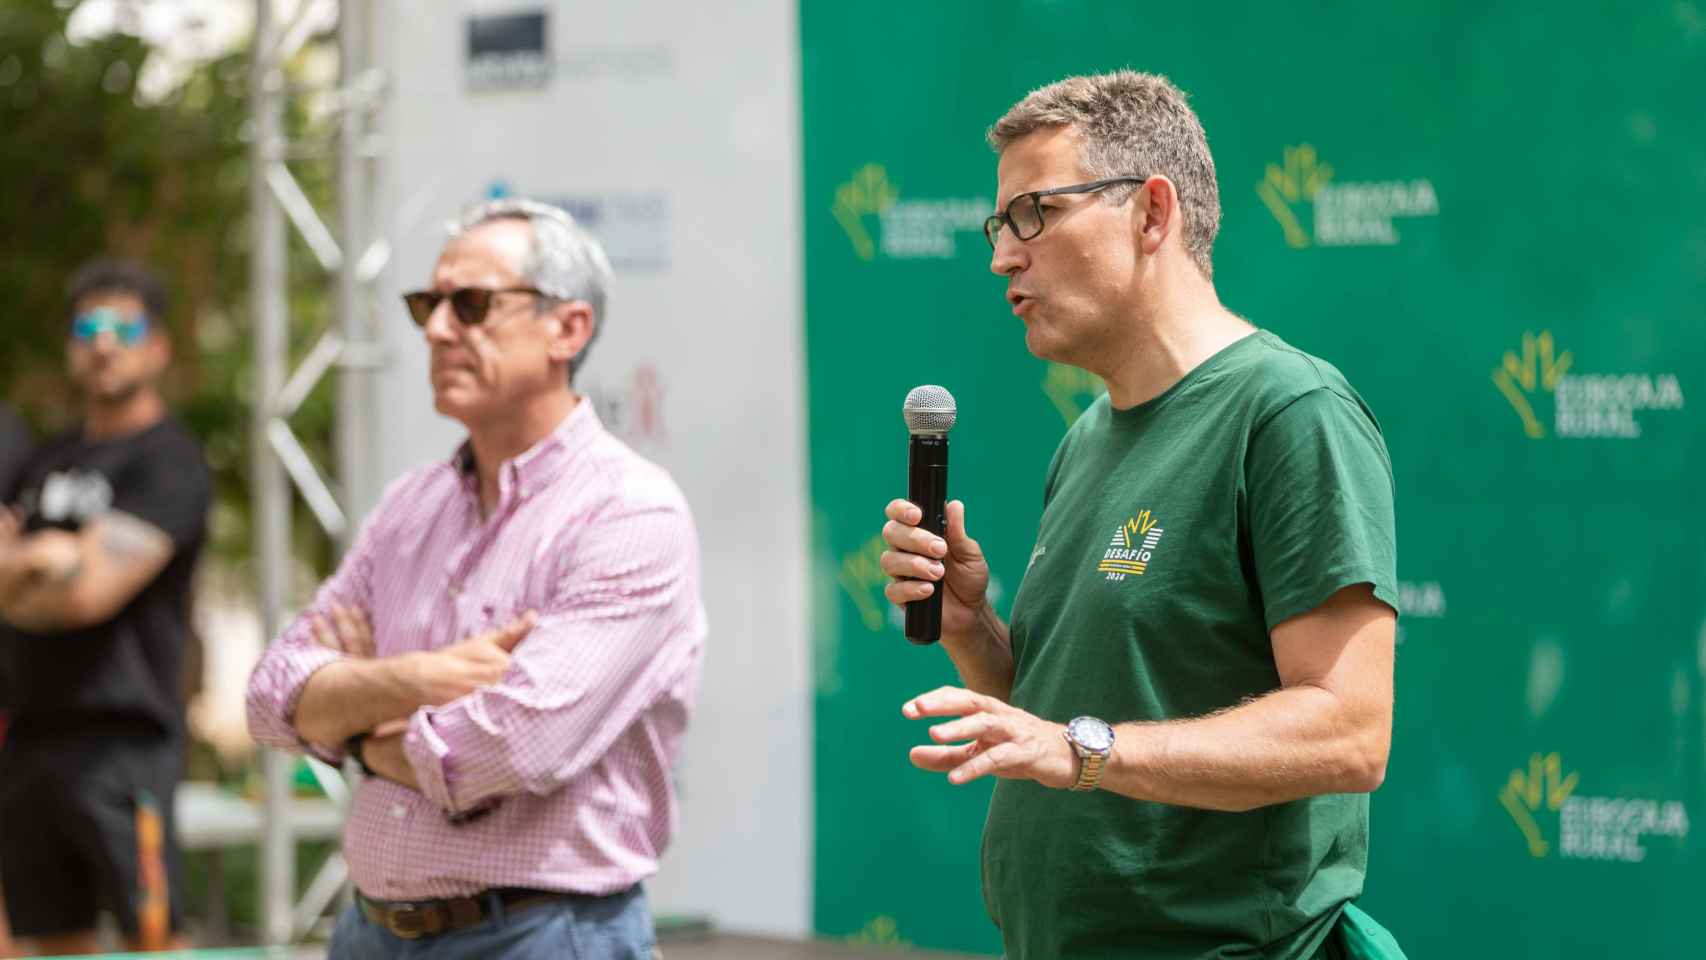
(351, 691)
(624, 631)
(54, 581)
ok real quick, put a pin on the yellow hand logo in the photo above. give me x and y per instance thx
(880, 930)
(1071, 390)
(1539, 366)
(861, 576)
(869, 192)
(1524, 794)
(1298, 179)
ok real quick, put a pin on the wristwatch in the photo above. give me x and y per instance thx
(1092, 740)
(352, 748)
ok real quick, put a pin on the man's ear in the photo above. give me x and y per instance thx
(572, 328)
(1156, 211)
(159, 347)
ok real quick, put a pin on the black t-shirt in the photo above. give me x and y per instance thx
(14, 451)
(121, 675)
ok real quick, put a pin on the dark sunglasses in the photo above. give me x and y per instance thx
(470, 304)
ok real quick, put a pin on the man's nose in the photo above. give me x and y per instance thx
(1008, 257)
(441, 325)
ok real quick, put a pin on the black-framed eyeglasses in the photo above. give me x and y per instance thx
(1024, 213)
(470, 304)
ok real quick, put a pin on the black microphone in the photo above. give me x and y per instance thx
(929, 413)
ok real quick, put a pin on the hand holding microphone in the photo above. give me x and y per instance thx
(940, 573)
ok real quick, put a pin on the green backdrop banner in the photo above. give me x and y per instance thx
(1490, 217)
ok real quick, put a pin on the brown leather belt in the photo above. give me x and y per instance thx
(413, 919)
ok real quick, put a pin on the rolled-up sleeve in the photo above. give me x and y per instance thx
(277, 682)
(625, 625)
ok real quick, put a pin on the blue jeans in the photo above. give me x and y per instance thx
(617, 927)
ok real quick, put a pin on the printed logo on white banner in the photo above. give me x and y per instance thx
(632, 225)
(630, 405)
(1315, 209)
(878, 221)
(508, 52)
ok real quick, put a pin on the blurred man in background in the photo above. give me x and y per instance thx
(95, 572)
(511, 647)
(1202, 646)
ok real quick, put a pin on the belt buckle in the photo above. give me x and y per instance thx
(409, 921)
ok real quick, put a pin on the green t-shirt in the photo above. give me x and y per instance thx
(1174, 536)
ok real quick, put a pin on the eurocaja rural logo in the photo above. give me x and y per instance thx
(1606, 406)
(1315, 208)
(1555, 818)
(1132, 548)
(880, 224)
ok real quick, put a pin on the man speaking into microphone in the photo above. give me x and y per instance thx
(1194, 695)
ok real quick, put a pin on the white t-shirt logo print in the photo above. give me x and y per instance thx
(75, 495)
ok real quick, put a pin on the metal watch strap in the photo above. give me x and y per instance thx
(1089, 769)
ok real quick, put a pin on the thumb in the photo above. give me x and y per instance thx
(958, 540)
(511, 633)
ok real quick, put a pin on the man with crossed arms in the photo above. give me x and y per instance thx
(533, 613)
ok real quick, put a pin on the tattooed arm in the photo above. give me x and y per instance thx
(54, 581)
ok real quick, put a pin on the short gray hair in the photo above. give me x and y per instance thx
(563, 261)
(1130, 124)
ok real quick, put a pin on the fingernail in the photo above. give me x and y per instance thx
(939, 547)
(937, 569)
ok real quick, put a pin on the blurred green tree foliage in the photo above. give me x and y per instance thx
(91, 168)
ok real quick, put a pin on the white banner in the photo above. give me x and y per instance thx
(671, 132)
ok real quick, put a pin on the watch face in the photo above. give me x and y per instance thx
(1090, 733)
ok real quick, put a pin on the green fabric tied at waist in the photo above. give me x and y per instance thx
(1359, 936)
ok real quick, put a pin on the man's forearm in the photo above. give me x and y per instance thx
(14, 571)
(353, 696)
(35, 600)
(984, 659)
(384, 756)
(1295, 742)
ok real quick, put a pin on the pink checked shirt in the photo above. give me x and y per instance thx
(578, 741)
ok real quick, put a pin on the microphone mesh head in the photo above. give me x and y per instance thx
(928, 409)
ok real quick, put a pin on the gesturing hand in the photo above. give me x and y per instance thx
(443, 675)
(1004, 740)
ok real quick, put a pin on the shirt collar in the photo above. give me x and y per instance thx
(538, 465)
